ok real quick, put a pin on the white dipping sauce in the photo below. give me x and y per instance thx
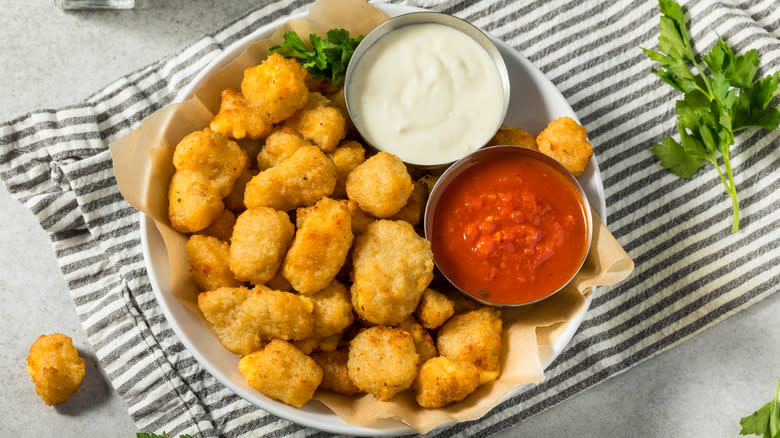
(427, 93)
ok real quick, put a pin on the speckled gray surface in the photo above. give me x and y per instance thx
(51, 58)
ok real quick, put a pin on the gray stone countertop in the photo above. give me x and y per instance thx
(51, 58)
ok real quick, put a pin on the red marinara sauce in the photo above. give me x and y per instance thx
(510, 229)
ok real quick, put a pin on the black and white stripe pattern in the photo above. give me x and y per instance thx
(690, 271)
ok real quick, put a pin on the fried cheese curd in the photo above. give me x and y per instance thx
(222, 227)
(237, 118)
(381, 185)
(360, 219)
(332, 310)
(413, 211)
(434, 309)
(279, 146)
(252, 148)
(244, 319)
(509, 135)
(235, 200)
(276, 87)
(259, 243)
(474, 337)
(423, 341)
(335, 377)
(215, 157)
(193, 203)
(298, 181)
(278, 282)
(320, 246)
(382, 361)
(207, 166)
(321, 85)
(209, 258)
(282, 372)
(349, 155)
(55, 367)
(310, 345)
(442, 381)
(339, 100)
(392, 266)
(319, 122)
(567, 142)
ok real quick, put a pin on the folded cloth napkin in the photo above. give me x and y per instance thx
(691, 272)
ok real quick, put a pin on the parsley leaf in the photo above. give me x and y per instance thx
(750, 109)
(718, 101)
(765, 421)
(757, 423)
(676, 158)
(327, 57)
(293, 47)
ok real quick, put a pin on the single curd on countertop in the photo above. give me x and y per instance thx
(427, 93)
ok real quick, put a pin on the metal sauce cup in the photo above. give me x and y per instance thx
(422, 18)
(490, 153)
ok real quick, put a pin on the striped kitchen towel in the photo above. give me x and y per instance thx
(691, 272)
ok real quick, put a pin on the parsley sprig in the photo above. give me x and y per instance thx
(327, 57)
(765, 421)
(722, 97)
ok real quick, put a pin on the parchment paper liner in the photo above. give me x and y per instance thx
(143, 168)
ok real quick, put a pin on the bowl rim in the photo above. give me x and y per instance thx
(485, 154)
(416, 18)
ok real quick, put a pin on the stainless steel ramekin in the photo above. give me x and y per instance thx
(491, 153)
(422, 18)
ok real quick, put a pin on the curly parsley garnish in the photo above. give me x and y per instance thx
(327, 57)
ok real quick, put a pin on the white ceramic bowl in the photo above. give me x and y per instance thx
(534, 102)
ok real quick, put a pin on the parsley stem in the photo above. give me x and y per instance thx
(704, 79)
(709, 93)
(774, 412)
(734, 209)
(732, 190)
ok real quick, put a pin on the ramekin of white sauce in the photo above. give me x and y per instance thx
(427, 87)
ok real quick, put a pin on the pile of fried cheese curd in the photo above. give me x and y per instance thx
(309, 256)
